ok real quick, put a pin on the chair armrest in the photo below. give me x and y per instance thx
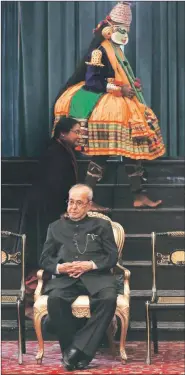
(38, 290)
(126, 280)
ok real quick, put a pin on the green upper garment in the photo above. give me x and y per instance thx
(82, 103)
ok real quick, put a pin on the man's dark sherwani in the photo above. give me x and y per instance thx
(66, 239)
(93, 234)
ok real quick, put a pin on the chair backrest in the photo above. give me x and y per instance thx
(168, 262)
(13, 266)
(119, 233)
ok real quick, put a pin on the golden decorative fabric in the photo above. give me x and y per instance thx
(96, 57)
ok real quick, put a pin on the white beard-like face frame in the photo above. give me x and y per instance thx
(119, 35)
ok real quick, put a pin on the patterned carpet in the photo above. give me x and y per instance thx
(170, 360)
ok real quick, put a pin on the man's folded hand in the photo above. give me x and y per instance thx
(75, 269)
(65, 267)
(79, 268)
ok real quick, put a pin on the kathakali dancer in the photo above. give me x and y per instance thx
(104, 95)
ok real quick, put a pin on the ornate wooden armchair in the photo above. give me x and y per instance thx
(81, 308)
(164, 264)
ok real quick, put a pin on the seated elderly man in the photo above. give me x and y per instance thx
(80, 250)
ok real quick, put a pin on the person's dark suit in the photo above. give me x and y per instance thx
(95, 239)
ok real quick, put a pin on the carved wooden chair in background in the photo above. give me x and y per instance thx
(13, 284)
(164, 263)
(81, 307)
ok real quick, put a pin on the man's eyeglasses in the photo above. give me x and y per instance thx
(79, 203)
(78, 132)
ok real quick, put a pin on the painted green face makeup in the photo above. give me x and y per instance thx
(120, 35)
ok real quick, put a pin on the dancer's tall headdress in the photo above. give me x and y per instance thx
(121, 14)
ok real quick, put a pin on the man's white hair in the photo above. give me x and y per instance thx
(84, 188)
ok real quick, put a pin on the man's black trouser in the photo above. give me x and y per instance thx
(88, 338)
(134, 169)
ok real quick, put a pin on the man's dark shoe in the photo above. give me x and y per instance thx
(70, 358)
(83, 363)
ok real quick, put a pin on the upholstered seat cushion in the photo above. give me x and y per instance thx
(80, 307)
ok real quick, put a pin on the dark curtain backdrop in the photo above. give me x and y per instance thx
(54, 36)
(9, 79)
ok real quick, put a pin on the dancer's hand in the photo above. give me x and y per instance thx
(127, 91)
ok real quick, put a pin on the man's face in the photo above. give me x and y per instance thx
(74, 135)
(120, 35)
(78, 204)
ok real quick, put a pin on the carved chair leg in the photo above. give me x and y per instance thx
(22, 323)
(148, 332)
(110, 335)
(38, 329)
(124, 317)
(20, 357)
(154, 331)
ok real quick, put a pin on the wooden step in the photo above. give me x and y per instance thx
(138, 311)
(18, 170)
(166, 331)
(120, 196)
(139, 248)
(168, 278)
(14, 195)
(149, 220)
(108, 195)
(137, 331)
